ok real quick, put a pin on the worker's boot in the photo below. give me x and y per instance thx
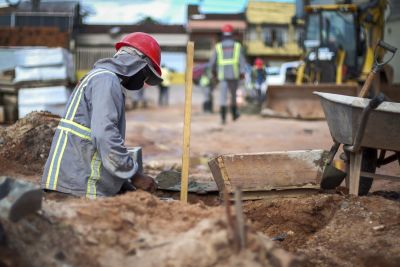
(204, 107)
(223, 114)
(235, 113)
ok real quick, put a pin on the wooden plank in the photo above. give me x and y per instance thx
(268, 171)
(355, 170)
(272, 194)
(186, 123)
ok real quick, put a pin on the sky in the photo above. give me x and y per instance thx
(165, 11)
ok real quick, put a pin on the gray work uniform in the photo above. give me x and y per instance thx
(228, 74)
(88, 156)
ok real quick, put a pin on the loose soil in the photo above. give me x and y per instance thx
(25, 145)
(333, 230)
(144, 230)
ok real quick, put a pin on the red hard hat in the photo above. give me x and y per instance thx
(227, 28)
(258, 62)
(146, 44)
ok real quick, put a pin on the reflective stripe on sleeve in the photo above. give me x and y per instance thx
(51, 182)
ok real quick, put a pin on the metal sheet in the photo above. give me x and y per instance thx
(298, 101)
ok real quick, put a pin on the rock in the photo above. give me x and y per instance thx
(378, 228)
(18, 198)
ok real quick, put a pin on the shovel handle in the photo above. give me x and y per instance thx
(387, 48)
(377, 65)
(367, 84)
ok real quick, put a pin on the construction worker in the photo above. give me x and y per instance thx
(229, 63)
(259, 74)
(88, 156)
(164, 86)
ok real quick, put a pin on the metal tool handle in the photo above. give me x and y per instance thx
(377, 65)
(388, 48)
(332, 152)
(373, 104)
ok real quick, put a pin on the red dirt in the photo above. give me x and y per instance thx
(141, 230)
(136, 229)
(332, 230)
(26, 144)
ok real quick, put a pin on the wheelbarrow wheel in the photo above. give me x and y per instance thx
(368, 164)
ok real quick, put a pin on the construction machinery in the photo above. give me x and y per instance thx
(338, 41)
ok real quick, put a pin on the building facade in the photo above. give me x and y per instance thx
(97, 41)
(270, 34)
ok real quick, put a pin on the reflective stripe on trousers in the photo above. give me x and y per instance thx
(66, 127)
(222, 62)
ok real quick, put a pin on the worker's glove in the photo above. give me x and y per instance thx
(127, 186)
(144, 182)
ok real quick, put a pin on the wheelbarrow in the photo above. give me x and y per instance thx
(361, 125)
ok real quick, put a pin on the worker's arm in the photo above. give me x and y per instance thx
(242, 62)
(107, 105)
(212, 64)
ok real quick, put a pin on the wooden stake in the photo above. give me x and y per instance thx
(240, 225)
(354, 175)
(231, 225)
(186, 123)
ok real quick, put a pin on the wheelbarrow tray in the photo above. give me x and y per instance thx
(343, 117)
(269, 174)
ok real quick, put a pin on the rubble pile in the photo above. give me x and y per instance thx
(25, 145)
(137, 229)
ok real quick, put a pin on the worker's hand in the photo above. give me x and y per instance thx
(241, 76)
(144, 182)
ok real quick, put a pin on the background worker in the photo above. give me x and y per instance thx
(164, 87)
(206, 85)
(88, 156)
(259, 74)
(228, 62)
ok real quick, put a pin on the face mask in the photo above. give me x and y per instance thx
(136, 82)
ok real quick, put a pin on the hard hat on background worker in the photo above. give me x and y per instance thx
(147, 45)
(227, 29)
(258, 62)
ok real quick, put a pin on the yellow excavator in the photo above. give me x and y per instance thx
(339, 37)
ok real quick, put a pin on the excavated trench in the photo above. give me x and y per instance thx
(291, 221)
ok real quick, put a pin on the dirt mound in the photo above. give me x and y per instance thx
(136, 229)
(333, 230)
(25, 145)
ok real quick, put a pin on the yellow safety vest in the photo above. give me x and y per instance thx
(222, 62)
